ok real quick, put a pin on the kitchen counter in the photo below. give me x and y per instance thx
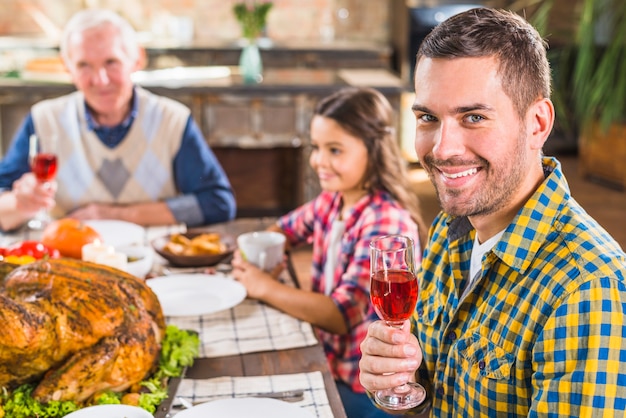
(219, 78)
(165, 53)
(338, 54)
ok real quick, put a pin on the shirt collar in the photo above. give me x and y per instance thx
(536, 219)
(363, 203)
(528, 230)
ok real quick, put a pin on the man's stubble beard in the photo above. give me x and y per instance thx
(497, 190)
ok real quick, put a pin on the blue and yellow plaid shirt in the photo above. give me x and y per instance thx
(542, 331)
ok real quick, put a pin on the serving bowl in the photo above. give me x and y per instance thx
(199, 260)
(139, 259)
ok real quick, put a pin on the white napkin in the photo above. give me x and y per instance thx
(312, 385)
(249, 327)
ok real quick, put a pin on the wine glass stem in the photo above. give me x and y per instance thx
(42, 217)
(401, 389)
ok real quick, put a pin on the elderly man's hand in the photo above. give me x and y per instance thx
(31, 195)
(390, 356)
(95, 211)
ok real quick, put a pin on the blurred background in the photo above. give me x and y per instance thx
(311, 47)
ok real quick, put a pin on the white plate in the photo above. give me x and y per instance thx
(110, 411)
(246, 408)
(196, 294)
(118, 233)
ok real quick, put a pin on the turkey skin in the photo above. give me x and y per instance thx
(76, 329)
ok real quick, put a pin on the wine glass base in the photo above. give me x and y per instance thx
(35, 224)
(402, 397)
(39, 222)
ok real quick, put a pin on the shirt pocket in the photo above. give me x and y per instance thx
(429, 311)
(482, 359)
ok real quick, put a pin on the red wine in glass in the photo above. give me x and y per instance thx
(394, 295)
(43, 163)
(393, 291)
(44, 166)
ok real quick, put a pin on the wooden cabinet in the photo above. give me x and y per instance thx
(266, 181)
(260, 142)
(256, 121)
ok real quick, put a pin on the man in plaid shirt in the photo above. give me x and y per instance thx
(522, 294)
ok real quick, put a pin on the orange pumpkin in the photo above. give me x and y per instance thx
(68, 236)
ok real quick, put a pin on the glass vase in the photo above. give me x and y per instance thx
(250, 64)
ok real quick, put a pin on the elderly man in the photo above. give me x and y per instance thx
(124, 153)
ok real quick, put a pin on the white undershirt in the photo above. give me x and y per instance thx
(332, 254)
(478, 251)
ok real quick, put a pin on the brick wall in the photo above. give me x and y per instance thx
(213, 20)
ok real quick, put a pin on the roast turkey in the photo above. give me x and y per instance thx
(76, 328)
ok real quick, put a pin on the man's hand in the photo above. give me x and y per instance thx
(32, 196)
(95, 211)
(140, 213)
(390, 356)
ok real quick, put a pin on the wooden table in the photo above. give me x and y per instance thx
(298, 360)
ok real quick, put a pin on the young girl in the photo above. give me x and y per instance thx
(365, 194)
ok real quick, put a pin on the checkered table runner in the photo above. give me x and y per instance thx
(249, 327)
(312, 385)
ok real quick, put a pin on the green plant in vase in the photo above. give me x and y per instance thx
(252, 16)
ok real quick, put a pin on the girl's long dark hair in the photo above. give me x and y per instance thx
(366, 114)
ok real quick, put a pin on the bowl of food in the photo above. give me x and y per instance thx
(194, 249)
(138, 259)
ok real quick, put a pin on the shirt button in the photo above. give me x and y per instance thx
(452, 336)
(481, 364)
(441, 391)
(420, 312)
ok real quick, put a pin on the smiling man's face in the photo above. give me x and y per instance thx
(469, 137)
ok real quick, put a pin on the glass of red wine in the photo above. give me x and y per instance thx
(42, 155)
(394, 296)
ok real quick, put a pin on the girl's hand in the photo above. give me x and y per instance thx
(256, 281)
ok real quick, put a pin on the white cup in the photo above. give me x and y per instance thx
(264, 249)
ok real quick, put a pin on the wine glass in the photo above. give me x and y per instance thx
(42, 156)
(394, 296)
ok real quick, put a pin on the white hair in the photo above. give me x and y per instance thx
(91, 18)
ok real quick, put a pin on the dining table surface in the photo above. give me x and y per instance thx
(287, 361)
(231, 366)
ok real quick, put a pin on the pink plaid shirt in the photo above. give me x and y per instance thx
(373, 216)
